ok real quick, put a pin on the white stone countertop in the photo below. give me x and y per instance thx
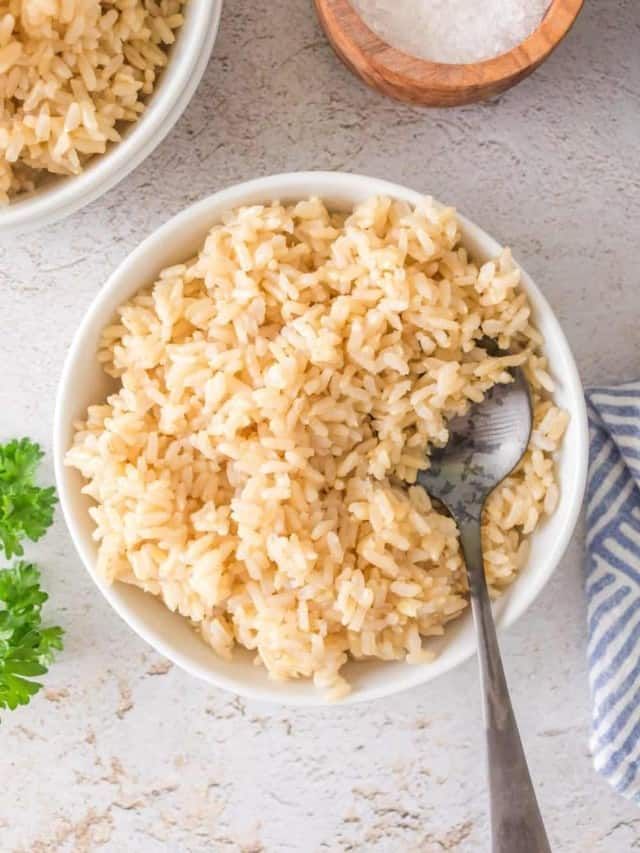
(124, 752)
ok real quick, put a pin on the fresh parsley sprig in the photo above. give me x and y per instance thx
(26, 511)
(26, 648)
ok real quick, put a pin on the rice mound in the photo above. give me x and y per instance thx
(70, 72)
(271, 394)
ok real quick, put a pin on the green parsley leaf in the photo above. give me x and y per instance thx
(26, 510)
(26, 648)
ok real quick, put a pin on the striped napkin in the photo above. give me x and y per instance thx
(613, 583)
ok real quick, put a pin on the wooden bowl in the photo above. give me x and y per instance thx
(438, 84)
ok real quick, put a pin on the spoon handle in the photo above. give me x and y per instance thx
(516, 822)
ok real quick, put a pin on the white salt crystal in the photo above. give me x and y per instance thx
(458, 31)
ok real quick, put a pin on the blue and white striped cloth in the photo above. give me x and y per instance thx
(613, 583)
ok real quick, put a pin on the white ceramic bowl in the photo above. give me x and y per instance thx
(83, 382)
(63, 195)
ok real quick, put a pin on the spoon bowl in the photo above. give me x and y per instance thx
(484, 447)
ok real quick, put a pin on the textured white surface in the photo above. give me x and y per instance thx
(125, 754)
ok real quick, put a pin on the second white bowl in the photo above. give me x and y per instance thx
(187, 62)
(83, 382)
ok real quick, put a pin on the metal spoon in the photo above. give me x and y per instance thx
(483, 448)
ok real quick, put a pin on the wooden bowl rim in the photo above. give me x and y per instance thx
(427, 74)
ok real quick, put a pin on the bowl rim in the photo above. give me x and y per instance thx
(271, 187)
(362, 49)
(179, 82)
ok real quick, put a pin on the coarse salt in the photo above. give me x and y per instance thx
(452, 31)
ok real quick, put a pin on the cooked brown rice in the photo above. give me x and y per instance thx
(267, 391)
(70, 72)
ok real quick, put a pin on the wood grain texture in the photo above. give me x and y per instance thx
(437, 84)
